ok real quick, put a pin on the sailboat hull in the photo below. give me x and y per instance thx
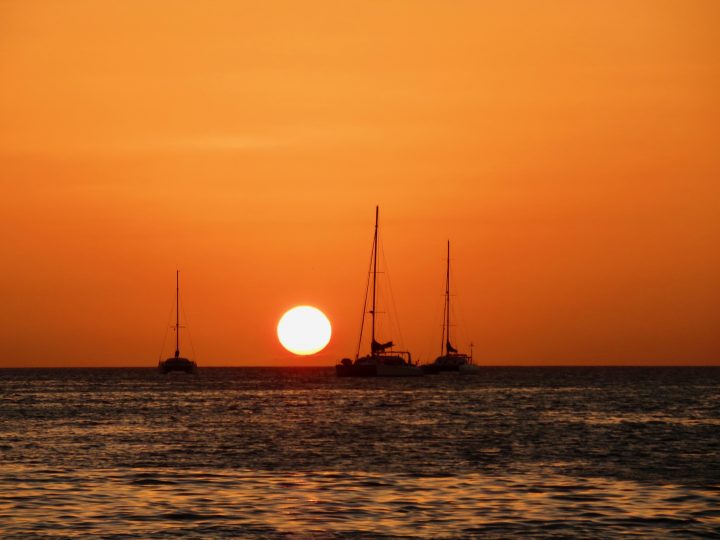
(378, 366)
(378, 371)
(177, 364)
(399, 371)
(451, 363)
(355, 371)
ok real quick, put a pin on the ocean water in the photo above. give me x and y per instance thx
(298, 453)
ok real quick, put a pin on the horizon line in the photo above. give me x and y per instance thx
(277, 366)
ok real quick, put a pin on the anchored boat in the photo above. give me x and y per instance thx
(450, 358)
(382, 361)
(177, 362)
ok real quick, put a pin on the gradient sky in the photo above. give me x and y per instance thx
(570, 150)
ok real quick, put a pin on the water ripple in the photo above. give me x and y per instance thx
(584, 453)
(226, 503)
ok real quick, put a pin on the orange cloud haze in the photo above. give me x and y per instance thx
(569, 150)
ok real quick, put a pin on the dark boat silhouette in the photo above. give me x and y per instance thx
(450, 358)
(177, 362)
(382, 361)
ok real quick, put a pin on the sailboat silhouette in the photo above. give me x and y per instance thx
(382, 361)
(177, 362)
(450, 358)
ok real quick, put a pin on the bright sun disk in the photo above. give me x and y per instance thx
(304, 330)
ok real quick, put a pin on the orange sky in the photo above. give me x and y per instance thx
(570, 150)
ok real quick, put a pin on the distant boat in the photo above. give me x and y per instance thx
(450, 358)
(177, 362)
(382, 360)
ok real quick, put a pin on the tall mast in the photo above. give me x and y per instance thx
(447, 300)
(374, 281)
(177, 313)
(446, 318)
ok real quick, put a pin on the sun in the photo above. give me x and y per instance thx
(304, 330)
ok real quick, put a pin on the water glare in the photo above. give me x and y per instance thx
(275, 453)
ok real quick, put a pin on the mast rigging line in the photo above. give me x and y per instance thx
(364, 307)
(167, 329)
(393, 305)
(187, 326)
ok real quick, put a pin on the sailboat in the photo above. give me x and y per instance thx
(450, 358)
(382, 361)
(177, 362)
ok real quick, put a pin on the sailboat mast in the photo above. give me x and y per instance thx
(446, 318)
(447, 302)
(177, 313)
(374, 280)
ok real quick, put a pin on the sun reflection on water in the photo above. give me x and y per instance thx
(105, 503)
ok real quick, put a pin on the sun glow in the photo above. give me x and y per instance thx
(304, 330)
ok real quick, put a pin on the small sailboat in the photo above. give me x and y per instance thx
(177, 362)
(450, 358)
(382, 361)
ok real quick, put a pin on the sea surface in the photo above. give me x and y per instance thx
(298, 453)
